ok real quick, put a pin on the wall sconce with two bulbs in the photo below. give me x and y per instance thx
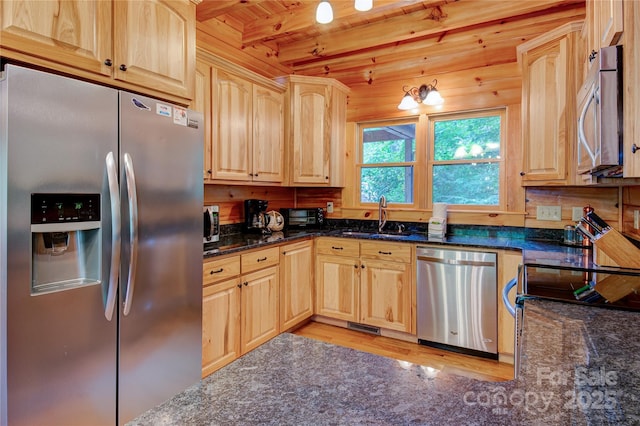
(426, 94)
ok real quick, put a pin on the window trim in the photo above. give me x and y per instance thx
(459, 115)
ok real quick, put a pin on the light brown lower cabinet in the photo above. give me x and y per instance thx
(296, 283)
(220, 325)
(369, 282)
(239, 306)
(508, 263)
(252, 297)
(258, 308)
(220, 313)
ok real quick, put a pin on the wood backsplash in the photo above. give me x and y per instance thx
(615, 205)
(231, 198)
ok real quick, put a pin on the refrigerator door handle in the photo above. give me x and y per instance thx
(114, 196)
(133, 230)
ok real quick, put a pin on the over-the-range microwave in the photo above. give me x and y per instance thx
(600, 116)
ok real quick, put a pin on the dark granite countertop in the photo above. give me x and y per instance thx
(534, 251)
(579, 366)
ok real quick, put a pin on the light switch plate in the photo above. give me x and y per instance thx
(636, 219)
(329, 206)
(549, 213)
(576, 213)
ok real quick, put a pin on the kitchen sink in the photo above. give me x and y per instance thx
(375, 235)
(357, 234)
(390, 236)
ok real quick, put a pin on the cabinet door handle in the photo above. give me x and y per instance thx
(355, 266)
(362, 266)
(108, 62)
(209, 171)
(262, 259)
(246, 283)
(337, 248)
(384, 252)
(239, 285)
(217, 272)
(634, 148)
(522, 173)
(123, 67)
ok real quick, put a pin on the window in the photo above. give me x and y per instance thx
(387, 161)
(467, 159)
(453, 158)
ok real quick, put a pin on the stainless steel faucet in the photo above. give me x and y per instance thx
(382, 213)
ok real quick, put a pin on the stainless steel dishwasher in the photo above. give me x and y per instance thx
(457, 306)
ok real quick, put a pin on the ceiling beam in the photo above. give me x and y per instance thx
(209, 9)
(482, 45)
(433, 20)
(301, 18)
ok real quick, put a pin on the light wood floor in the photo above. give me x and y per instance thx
(445, 361)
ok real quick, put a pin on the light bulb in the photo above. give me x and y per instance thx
(363, 5)
(434, 98)
(324, 12)
(408, 102)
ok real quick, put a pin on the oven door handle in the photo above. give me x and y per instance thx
(505, 296)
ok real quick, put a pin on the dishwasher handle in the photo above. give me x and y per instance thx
(455, 262)
(505, 296)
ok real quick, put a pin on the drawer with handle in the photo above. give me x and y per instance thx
(220, 269)
(259, 259)
(397, 252)
(338, 246)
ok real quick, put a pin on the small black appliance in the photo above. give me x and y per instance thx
(255, 218)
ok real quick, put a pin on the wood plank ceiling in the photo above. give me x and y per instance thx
(415, 38)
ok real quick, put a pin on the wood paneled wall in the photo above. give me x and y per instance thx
(605, 202)
(630, 203)
(465, 86)
(231, 198)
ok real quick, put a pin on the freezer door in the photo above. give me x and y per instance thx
(161, 275)
(60, 360)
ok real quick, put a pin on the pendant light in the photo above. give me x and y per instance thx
(363, 5)
(324, 12)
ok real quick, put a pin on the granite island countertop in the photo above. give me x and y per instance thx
(580, 365)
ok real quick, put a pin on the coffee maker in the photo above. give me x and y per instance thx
(255, 218)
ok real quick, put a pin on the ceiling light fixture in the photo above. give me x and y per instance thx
(363, 5)
(426, 94)
(324, 12)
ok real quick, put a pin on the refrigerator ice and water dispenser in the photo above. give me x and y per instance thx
(65, 242)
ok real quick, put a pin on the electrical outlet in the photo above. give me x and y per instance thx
(636, 219)
(329, 206)
(576, 213)
(549, 213)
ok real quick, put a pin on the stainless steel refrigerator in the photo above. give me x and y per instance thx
(101, 201)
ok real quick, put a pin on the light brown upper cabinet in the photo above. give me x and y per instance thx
(603, 24)
(550, 70)
(631, 96)
(244, 137)
(148, 45)
(315, 120)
